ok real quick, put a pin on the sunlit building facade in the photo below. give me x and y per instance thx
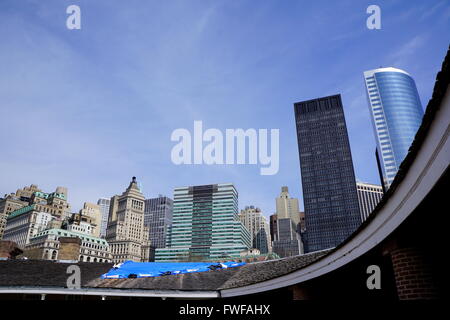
(396, 114)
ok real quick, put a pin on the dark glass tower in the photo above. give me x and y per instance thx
(158, 217)
(328, 180)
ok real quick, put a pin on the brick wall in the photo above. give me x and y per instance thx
(413, 275)
(300, 292)
(34, 253)
(9, 249)
(69, 248)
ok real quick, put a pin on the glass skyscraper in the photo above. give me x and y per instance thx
(205, 225)
(328, 179)
(396, 114)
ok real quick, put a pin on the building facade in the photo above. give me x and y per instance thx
(9, 204)
(158, 218)
(126, 234)
(88, 219)
(103, 203)
(255, 222)
(396, 114)
(25, 223)
(273, 226)
(287, 240)
(287, 207)
(368, 196)
(205, 225)
(328, 179)
(46, 245)
(54, 203)
(36, 210)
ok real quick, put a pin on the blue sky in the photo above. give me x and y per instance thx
(88, 109)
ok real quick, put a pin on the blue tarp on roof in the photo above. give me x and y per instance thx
(131, 269)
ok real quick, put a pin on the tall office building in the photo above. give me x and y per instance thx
(328, 180)
(368, 196)
(286, 230)
(158, 218)
(205, 225)
(253, 219)
(287, 241)
(287, 207)
(396, 114)
(126, 233)
(104, 209)
(273, 226)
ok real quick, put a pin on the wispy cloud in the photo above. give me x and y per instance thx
(88, 109)
(430, 11)
(406, 50)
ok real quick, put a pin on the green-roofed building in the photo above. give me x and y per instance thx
(25, 223)
(45, 245)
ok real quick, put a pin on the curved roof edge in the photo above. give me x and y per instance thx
(370, 73)
(426, 161)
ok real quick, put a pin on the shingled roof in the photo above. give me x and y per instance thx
(45, 273)
(215, 280)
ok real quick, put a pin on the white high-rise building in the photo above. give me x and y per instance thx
(104, 209)
(253, 219)
(368, 196)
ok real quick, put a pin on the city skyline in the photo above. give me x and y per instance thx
(80, 115)
(230, 152)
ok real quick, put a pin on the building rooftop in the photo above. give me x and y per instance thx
(22, 273)
(45, 273)
(66, 233)
(20, 211)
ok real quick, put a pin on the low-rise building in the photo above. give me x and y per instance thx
(46, 245)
